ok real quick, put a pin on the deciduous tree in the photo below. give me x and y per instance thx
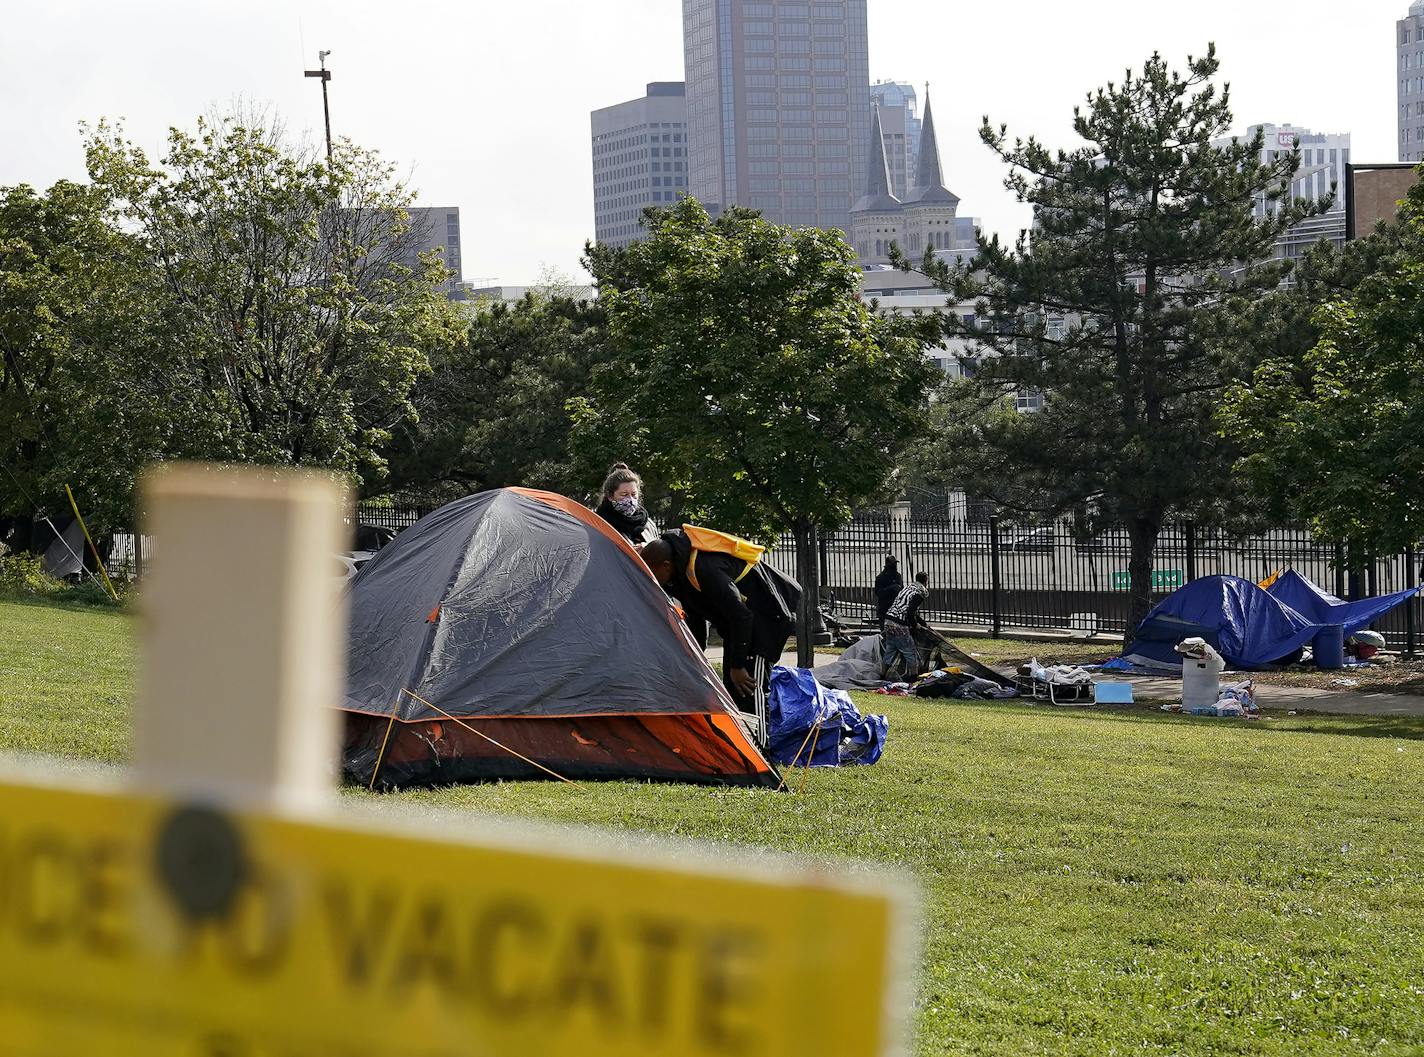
(300, 327)
(1333, 435)
(746, 372)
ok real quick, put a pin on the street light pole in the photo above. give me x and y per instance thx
(325, 76)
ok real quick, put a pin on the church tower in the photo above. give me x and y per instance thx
(930, 211)
(876, 218)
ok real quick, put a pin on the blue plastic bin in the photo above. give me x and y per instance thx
(1329, 647)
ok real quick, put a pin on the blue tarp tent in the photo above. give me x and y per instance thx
(1248, 626)
(1321, 607)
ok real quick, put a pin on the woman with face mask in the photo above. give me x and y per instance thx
(622, 504)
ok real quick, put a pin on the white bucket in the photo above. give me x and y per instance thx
(1201, 681)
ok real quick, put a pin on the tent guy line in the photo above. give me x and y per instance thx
(478, 733)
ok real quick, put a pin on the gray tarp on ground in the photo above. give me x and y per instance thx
(858, 668)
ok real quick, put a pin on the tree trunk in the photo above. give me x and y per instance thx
(808, 572)
(1142, 532)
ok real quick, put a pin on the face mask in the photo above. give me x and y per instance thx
(627, 507)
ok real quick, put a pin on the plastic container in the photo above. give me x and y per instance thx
(1329, 647)
(1201, 681)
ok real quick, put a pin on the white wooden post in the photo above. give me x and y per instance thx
(244, 632)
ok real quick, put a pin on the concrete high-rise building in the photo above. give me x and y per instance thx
(900, 125)
(639, 160)
(435, 228)
(1323, 159)
(778, 106)
(1409, 48)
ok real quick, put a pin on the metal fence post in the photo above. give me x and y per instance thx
(900, 535)
(1411, 605)
(1191, 543)
(996, 581)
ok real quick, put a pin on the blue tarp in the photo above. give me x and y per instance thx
(1250, 627)
(1321, 607)
(798, 705)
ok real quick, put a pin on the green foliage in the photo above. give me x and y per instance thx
(1144, 242)
(1333, 430)
(744, 370)
(84, 399)
(296, 332)
(23, 576)
(493, 410)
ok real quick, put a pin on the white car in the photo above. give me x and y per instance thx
(348, 565)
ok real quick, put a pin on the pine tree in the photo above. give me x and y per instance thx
(1145, 240)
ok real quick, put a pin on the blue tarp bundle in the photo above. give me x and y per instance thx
(798, 705)
(1321, 607)
(1250, 627)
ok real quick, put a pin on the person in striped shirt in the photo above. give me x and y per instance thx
(897, 643)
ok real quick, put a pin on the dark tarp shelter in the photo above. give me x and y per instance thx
(1320, 606)
(514, 634)
(1251, 627)
(858, 668)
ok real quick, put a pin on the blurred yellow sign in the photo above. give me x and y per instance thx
(130, 925)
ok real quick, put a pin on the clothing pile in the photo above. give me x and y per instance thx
(815, 726)
(893, 690)
(955, 682)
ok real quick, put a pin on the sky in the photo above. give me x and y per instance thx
(485, 104)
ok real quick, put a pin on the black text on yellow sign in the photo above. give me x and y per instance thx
(280, 938)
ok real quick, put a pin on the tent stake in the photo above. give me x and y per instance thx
(381, 756)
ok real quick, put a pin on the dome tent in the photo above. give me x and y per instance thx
(514, 634)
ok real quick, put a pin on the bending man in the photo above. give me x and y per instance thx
(752, 606)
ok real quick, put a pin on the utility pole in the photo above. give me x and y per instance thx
(325, 76)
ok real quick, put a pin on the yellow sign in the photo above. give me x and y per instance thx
(131, 926)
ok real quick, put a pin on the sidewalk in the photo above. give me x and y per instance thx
(1270, 696)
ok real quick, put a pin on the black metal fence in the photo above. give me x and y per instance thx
(1001, 576)
(384, 515)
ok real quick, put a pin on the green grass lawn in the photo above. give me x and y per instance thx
(1093, 882)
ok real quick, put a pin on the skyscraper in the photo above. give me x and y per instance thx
(1409, 46)
(778, 106)
(639, 160)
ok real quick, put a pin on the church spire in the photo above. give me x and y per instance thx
(927, 173)
(877, 180)
(929, 179)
